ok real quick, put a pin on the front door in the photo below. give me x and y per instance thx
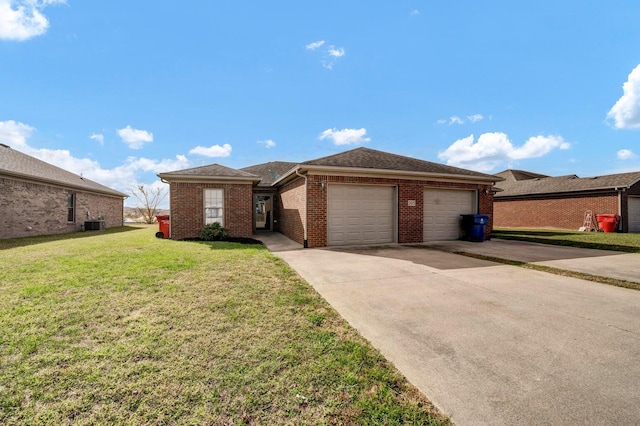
(263, 212)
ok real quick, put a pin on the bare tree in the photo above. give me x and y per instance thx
(150, 200)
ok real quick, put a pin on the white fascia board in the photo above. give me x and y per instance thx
(386, 173)
(208, 179)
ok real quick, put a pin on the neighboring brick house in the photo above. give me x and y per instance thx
(37, 198)
(361, 196)
(531, 200)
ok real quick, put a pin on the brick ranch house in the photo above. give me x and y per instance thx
(532, 200)
(361, 196)
(37, 198)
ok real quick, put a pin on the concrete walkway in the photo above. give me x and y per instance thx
(488, 343)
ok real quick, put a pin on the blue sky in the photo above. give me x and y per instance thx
(121, 90)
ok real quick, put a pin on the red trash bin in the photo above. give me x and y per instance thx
(608, 222)
(164, 225)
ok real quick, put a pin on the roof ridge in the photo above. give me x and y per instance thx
(368, 158)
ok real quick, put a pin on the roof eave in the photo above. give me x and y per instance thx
(287, 176)
(111, 193)
(199, 178)
(303, 168)
(573, 191)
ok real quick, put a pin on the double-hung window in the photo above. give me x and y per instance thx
(213, 206)
(71, 207)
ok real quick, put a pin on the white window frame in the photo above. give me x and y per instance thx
(214, 206)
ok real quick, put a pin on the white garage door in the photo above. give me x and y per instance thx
(360, 214)
(634, 214)
(442, 210)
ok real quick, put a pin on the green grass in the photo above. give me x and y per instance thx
(119, 327)
(594, 240)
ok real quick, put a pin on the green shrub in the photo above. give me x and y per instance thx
(213, 232)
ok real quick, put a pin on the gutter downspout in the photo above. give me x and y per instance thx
(305, 243)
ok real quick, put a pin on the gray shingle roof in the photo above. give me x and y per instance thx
(361, 158)
(210, 171)
(563, 184)
(17, 164)
(519, 175)
(270, 172)
(366, 158)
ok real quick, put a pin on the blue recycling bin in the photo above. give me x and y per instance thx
(473, 225)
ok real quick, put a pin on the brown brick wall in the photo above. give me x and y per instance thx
(410, 220)
(110, 208)
(43, 209)
(291, 210)
(187, 209)
(317, 232)
(558, 213)
(486, 205)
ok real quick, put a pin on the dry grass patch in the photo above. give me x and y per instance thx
(122, 328)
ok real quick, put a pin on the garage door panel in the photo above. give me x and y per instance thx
(634, 214)
(360, 214)
(442, 210)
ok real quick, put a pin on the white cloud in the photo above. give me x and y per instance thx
(23, 19)
(135, 138)
(128, 175)
(315, 45)
(98, 137)
(414, 12)
(212, 151)
(492, 149)
(538, 146)
(14, 133)
(267, 143)
(333, 54)
(626, 154)
(345, 136)
(336, 52)
(454, 119)
(121, 177)
(626, 111)
(330, 53)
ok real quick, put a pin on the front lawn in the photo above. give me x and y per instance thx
(119, 327)
(594, 240)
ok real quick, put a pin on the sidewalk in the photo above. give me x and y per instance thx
(603, 263)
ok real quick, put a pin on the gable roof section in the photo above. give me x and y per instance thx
(213, 172)
(366, 160)
(358, 161)
(270, 172)
(16, 164)
(519, 175)
(566, 184)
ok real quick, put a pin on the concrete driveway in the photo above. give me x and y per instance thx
(488, 344)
